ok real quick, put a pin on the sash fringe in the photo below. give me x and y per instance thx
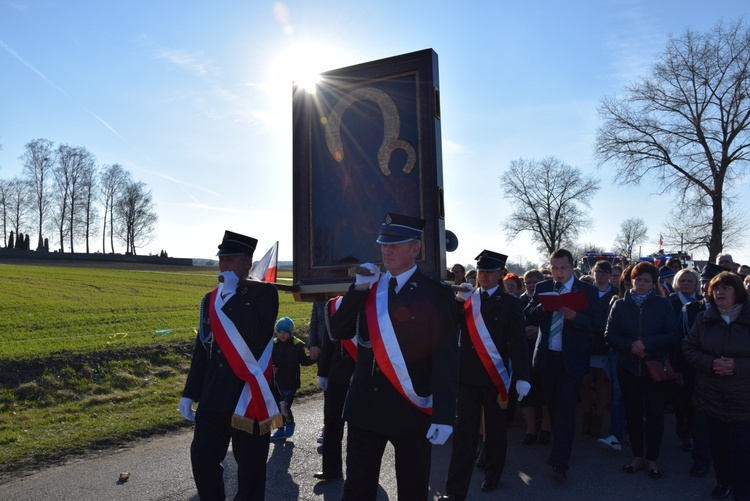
(247, 425)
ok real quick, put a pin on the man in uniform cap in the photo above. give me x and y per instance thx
(231, 357)
(493, 356)
(404, 386)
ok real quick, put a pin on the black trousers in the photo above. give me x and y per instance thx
(561, 394)
(644, 402)
(213, 431)
(333, 423)
(730, 447)
(471, 398)
(364, 453)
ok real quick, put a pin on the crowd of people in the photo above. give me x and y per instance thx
(411, 361)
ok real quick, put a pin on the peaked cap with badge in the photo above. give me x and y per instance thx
(399, 228)
(234, 244)
(491, 261)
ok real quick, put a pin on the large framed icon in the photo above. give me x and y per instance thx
(366, 142)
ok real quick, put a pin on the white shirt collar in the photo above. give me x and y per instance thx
(402, 278)
(489, 291)
(569, 284)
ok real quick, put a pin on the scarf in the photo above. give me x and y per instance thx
(731, 314)
(640, 298)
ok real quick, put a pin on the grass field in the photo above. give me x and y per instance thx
(91, 357)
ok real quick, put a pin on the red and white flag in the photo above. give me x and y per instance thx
(265, 270)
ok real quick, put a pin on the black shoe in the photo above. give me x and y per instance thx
(528, 439)
(559, 474)
(654, 473)
(721, 492)
(321, 475)
(451, 497)
(544, 437)
(698, 470)
(489, 484)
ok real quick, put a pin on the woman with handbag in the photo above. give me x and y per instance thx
(718, 346)
(642, 328)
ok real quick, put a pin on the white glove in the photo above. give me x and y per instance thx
(371, 274)
(186, 408)
(228, 281)
(522, 388)
(323, 383)
(463, 296)
(438, 434)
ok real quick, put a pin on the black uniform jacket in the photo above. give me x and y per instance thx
(334, 362)
(253, 309)
(503, 317)
(424, 321)
(577, 334)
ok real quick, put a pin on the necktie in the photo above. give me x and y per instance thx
(392, 283)
(555, 329)
(485, 296)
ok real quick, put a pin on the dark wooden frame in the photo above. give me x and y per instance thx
(346, 175)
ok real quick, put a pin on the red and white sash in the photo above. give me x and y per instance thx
(486, 349)
(386, 349)
(348, 344)
(256, 402)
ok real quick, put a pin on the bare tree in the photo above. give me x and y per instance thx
(136, 215)
(551, 195)
(4, 207)
(689, 226)
(70, 170)
(687, 124)
(38, 161)
(111, 184)
(632, 231)
(18, 206)
(88, 215)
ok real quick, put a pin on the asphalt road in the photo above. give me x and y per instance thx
(159, 469)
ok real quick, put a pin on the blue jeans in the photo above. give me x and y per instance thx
(617, 411)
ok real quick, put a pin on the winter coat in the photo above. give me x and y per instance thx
(724, 397)
(287, 357)
(653, 323)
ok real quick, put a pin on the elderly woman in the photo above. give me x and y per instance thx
(718, 346)
(513, 284)
(687, 288)
(642, 326)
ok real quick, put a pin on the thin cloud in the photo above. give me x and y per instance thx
(32, 68)
(195, 62)
(41, 75)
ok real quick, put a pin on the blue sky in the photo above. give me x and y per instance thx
(194, 99)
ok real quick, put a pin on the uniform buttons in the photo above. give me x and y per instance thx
(218, 350)
(375, 389)
(377, 369)
(221, 365)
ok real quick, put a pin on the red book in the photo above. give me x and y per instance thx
(553, 301)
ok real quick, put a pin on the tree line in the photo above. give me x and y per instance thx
(686, 125)
(70, 200)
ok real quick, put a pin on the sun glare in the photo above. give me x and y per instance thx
(303, 63)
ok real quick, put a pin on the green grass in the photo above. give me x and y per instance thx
(83, 364)
(46, 310)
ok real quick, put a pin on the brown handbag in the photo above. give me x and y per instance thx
(660, 371)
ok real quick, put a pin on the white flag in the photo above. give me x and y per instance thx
(265, 270)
